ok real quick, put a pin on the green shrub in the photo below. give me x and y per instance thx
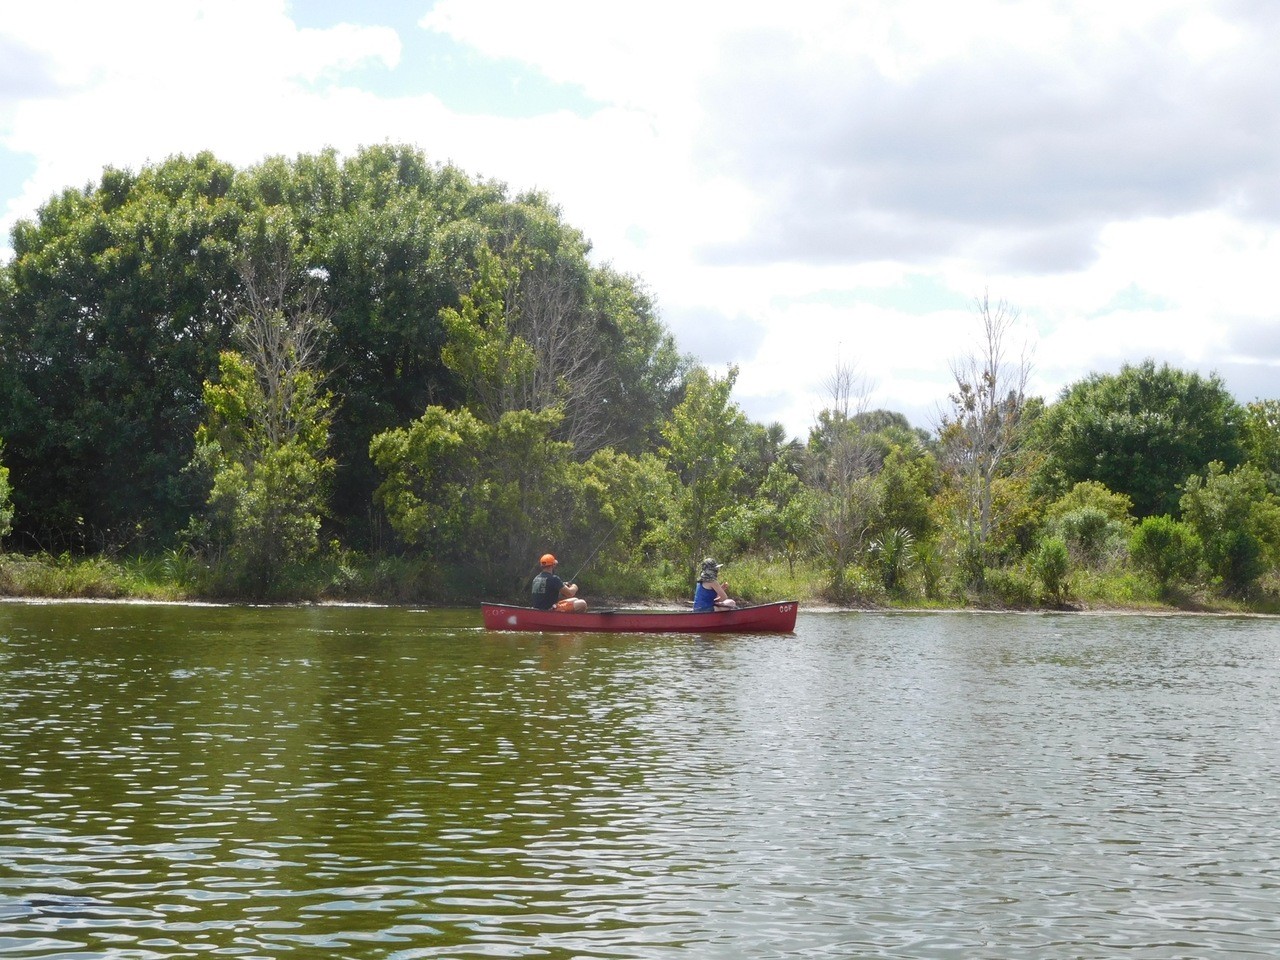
(928, 560)
(1235, 556)
(893, 555)
(1089, 533)
(1094, 495)
(858, 587)
(1050, 563)
(1238, 521)
(1009, 587)
(1167, 549)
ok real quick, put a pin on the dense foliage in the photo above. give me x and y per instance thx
(121, 296)
(380, 377)
(1141, 432)
(111, 320)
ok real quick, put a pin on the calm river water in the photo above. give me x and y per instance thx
(373, 783)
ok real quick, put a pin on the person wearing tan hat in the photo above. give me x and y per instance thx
(552, 593)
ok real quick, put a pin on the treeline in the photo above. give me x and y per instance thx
(381, 377)
(186, 348)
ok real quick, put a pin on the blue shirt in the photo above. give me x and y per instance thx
(704, 599)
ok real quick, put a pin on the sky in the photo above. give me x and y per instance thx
(800, 186)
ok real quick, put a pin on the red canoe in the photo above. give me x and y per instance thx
(764, 618)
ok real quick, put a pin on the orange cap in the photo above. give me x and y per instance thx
(548, 560)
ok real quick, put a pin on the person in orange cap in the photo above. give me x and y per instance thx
(550, 592)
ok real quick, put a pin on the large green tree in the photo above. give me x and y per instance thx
(645, 373)
(396, 237)
(701, 450)
(1140, 432)
(111, 320)
(114, 310)
(401, 242)
(907, 483)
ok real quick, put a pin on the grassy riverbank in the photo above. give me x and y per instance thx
(177, 577)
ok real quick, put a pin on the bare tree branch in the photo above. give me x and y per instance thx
(983, 429)
(571, 370)
(281, 327)
(842, 465)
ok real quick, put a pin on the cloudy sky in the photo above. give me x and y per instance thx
(797, 184)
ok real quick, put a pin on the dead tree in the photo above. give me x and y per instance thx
(983, 430)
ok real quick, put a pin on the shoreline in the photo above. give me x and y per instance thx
(807, 606)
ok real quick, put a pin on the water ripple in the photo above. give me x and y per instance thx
(374, 783)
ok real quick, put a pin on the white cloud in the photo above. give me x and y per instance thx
(132, 83)
(786, 179)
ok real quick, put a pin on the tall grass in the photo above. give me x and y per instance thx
(84, 577)
(352, 577)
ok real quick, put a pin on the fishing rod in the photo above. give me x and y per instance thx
(574, 578)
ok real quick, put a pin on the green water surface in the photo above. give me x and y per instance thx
(393, 783)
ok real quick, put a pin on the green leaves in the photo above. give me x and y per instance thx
(268, 492)
(1167, 549)
(1141, 432)
(111, 321)
(1051, 563)
(119, 299)
(6, 504)
(482, 348)
(1237, 519)
(700, 448)
(1261, 432)
(472, 492)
